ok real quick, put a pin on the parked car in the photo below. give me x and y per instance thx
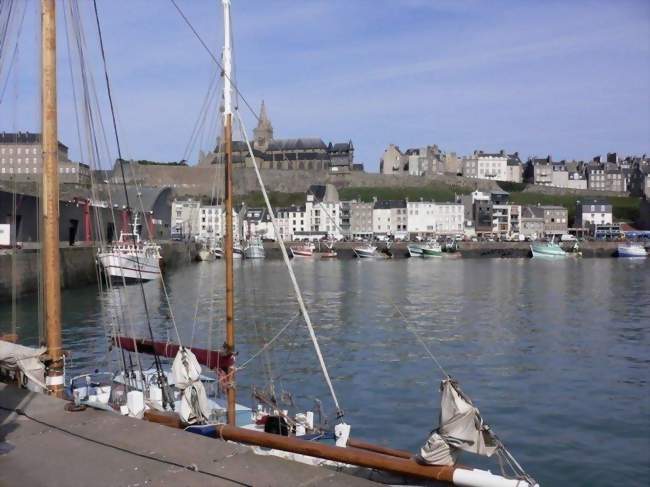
(567, 237)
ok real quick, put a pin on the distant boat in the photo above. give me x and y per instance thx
(632, 250)
(547, 250)
(329, 253)
(414, 250)
(366, 252)
(432, 249)
(237, 251)
(306, 250)
(130, 258)
(254, 249)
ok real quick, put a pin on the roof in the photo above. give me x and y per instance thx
(388, 204)
(593, 201)
(23, 138)
(296, 144)
(514, 160)
(530, 212)
(148, 195)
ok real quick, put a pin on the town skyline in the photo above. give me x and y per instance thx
(578, 91)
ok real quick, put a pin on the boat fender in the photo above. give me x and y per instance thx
(342, 433)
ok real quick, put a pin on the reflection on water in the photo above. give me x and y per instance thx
(554, 353)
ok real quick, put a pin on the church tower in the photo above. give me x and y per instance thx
(263, 133)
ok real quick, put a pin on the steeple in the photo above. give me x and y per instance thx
(263, 133)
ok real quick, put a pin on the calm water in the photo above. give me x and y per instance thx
(555, 354)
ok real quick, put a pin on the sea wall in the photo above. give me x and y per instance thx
(77, 266)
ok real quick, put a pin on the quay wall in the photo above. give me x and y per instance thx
(77, 264)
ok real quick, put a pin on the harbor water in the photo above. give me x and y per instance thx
(554, 353)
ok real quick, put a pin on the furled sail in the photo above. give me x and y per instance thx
(461, 428)
(194, 401)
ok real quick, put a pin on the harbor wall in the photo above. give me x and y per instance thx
(77, 265)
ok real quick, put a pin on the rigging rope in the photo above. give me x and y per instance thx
(287, 261)
(162, 378)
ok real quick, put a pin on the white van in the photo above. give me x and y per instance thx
(567, 237)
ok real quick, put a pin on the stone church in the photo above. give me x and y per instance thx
(305, 153)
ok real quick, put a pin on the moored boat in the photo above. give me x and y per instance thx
(366, 252)
(632, 250)
(306, 250)
(414, 250)
(131, 259)
(432, 249)
(254, 249)
(547, 250)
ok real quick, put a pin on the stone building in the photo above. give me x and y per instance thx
(305, 153)
(21, 159)
(484, 165)
(361, 219)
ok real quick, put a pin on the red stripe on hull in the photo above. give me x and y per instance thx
(214, 359)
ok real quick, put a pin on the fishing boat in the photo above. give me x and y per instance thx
(305, 250)
(432, 249)
(130, 258)
(414, 250)
(366, 252)
(254, 249)
(237, 251)
(634, 250)
(206, 253)
(547, 250)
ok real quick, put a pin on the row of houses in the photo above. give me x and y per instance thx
(324, 215)
(612, 173)
(624, 175)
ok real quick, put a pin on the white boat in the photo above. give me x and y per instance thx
(432, 249)
(131, 259)
(254, 249)
(547, 250)
(414, 250)
(632, 250)
(306, 250)
(365, 252)
(237, 251)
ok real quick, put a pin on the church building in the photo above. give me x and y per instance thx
(305, 153)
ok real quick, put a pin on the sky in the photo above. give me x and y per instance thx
(565, 78)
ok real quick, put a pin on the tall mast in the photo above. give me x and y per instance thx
(50, 199)
(230, 301)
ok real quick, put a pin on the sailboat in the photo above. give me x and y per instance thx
(461, 426)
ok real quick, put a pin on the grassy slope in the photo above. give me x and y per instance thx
(625, 208)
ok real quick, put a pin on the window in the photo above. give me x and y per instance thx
(34, 151)
(19, 150)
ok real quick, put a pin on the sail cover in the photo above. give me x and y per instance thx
(194, 401)
(461, 428)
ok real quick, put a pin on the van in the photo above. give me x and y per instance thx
(567, 237)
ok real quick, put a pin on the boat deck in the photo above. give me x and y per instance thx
(42, 444)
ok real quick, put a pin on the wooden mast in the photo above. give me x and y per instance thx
(50, 200)
(228, 240)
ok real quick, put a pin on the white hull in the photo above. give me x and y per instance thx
(365, 252)
(206, 255)
(547, 251)
(637, 251)
(127, 266)
(254, 253)
(301, 252)
(414, 251)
